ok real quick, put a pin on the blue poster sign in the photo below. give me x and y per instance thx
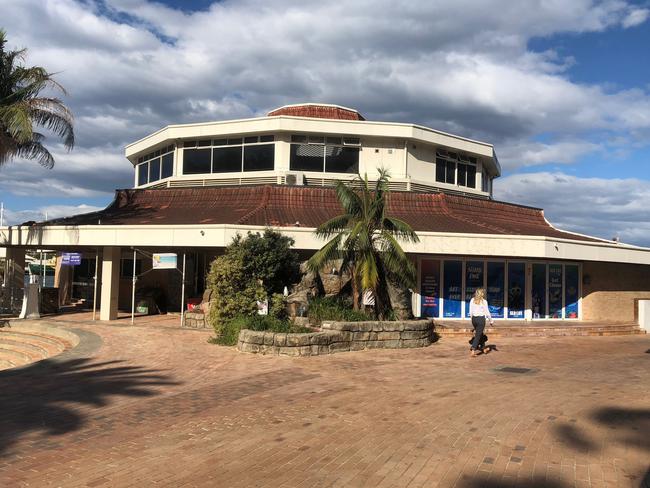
(473, 280)
(453, 276)
(555, 291)
(70, 259)
(516, 290)
(430, 288)
(495, 291)
(571, 291)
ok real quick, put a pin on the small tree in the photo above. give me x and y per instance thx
(366, 239)
(256, 267)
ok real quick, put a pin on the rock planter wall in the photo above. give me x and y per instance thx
(339, 337)
(195, 320)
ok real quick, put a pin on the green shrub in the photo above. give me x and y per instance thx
(335, 308)
(229, 331)
(253, 268)
(278, 306)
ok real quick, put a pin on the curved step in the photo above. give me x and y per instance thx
(51, 345)
(24, 345)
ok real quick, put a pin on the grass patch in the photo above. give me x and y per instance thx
(334, 308)
(230, 329)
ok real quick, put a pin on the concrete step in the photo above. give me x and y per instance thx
(542, 331)
(20, 347)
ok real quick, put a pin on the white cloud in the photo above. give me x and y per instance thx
(132, 67)
(636, 17)
(595, 206)
(15, 217)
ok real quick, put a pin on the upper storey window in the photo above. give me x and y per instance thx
(229, 155)
(156, 165)
(455, 169)
(325, 154)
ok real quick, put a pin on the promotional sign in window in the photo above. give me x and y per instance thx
(555, 291)
(430, 288)
(473, 280)
(539, 291)
(453, 276)
(164, 260)
(495, 292)
(516, 290)
(571, 291)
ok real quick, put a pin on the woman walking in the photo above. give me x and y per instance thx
(480, 312)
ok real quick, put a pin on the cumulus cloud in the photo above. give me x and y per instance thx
(15, 217)
(600, 207)
(133, 66)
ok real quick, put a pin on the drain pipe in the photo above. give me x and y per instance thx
(95, 287)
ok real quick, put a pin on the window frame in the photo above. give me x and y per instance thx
(241, 141)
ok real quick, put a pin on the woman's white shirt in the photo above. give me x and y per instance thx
(479, 309)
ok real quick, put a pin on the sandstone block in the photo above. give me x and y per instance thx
(280, 339)
(269, 338)
(289, 351)
(388, 336)
(339, 346)
(298, 339)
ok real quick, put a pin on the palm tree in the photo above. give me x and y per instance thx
(366, 239)
(22, 109)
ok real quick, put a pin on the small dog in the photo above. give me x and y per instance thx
(481, 343)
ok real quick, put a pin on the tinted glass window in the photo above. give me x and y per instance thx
(226, 159)
(167, 165)
(267, 138)
(143, 173)
(306, 157)
(154, 169)
(462, 174)
(259, 158)
(441, 170)
(341, 159)
(451, 173)
(471, 176)
(196, 161)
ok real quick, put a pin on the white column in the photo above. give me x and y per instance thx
(110, 283)
(15, 279)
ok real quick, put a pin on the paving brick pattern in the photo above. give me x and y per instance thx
(159, 406)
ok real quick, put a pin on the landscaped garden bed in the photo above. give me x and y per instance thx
(339, 337)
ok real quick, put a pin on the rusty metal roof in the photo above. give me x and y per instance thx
(303, 206)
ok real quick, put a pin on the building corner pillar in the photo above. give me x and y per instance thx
(110, 282)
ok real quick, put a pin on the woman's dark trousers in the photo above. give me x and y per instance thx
(479, 326)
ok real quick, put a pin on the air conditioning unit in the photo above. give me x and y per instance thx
(295, 179)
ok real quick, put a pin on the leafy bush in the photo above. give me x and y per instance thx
(253, 268)
(335, 308)
(230, 329)
(278, 306)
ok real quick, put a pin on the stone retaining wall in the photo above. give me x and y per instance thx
(339, 337)
(195, 320)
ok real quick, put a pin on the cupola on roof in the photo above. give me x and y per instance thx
(318, 111)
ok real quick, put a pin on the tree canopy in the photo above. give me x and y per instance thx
(23, 109)
(366, 239)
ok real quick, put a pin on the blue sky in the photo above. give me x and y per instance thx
(562, 90)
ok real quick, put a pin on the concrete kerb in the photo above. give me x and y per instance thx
(338, 337)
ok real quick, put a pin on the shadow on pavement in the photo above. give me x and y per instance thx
(45, 396)
(480, 482)
(629, 426)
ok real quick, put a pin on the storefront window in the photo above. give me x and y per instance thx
(495, 291)
(516, 290)
(430, 288)
(473, 280)
(539, 291)
(555, 291)
(453, 276)
(571, 291)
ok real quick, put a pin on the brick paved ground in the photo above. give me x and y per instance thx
(158, 406)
